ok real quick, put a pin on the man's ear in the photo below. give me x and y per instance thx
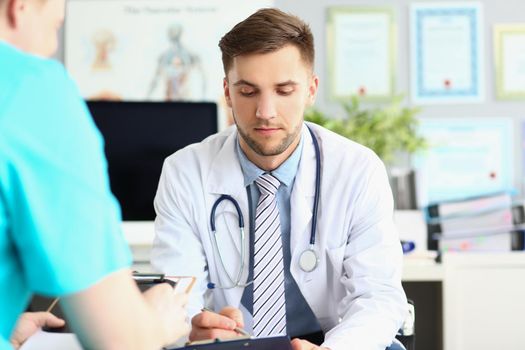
(312, 90)
(227, 92)
(13, 8)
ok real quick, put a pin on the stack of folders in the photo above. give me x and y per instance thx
(487, 223)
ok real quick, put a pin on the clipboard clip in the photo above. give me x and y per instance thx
(151, 279)
(146, 280)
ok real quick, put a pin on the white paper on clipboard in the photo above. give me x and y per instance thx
(183, 284)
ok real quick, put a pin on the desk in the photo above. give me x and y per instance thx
(469, 301)
(422, 269)
(423, 284)
(483, 298)
(467, 295)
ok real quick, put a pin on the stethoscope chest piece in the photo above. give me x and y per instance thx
(308, 260)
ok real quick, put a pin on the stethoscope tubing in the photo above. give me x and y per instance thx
(234, 283)
(224, 197)
(317, 187)
(237, 208)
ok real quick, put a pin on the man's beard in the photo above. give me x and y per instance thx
(258, 148)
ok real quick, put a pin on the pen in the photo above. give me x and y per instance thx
(52, 305)
(236, 329)
(178, 278)
(190, 286)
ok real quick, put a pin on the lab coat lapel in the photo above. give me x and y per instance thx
(301, 202)
(226, 177)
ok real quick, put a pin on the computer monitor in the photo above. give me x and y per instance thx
(138, 137)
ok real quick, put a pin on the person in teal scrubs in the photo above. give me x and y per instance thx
(59, 223)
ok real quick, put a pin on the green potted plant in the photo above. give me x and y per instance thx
(389, 130)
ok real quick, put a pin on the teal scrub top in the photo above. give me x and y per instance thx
(59, 223)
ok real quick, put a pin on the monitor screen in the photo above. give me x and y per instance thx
(138, 137)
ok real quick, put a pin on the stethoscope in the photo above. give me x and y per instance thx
(308, 260)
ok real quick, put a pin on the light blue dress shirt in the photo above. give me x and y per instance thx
(300, 319)
(59, 223)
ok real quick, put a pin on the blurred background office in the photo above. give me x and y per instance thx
(436, 88)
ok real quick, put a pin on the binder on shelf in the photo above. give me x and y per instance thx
(485, 223)
(492, 241)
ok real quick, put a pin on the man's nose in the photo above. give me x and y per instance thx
(266, 107)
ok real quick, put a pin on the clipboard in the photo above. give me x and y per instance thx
(180, 284)
(274, 343)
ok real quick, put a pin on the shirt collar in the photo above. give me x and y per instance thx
(285, 173)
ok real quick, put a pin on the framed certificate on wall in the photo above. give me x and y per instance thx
(509, 58)
(466, 157)
(361, 55)
(446, 52)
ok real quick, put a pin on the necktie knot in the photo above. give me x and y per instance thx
(268, 184)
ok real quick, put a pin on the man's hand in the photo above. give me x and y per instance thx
(299, 344)
(31, 322)
(211, 325)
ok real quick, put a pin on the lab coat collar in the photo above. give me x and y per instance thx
(226, 174)
(226, 177)
(302, 198)
(306, 170)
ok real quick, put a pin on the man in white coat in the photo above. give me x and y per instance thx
(345, 292)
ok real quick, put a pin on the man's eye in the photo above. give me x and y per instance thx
(247, 92)
(285, 92)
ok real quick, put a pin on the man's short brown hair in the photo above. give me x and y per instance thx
(267, 30)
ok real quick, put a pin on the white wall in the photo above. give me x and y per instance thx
(495, 12)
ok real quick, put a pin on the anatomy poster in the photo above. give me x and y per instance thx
(157, 50)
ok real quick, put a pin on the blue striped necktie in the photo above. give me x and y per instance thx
(269, 307)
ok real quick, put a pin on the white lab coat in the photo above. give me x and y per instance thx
(355, 292)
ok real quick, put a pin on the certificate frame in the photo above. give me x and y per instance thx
(334, 39)
(466, 157)
(422, 16)
(502, 33)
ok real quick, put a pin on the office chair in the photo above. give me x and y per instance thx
(407, 335)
